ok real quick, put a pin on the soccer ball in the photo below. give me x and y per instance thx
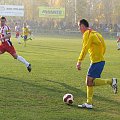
(68, 99)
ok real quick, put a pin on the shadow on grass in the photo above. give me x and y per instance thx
(61, 92)
(44, 87)
(47, 88)
(83, 94)
(68, 88)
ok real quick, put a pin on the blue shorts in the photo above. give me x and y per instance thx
(96, 69)
(25, 37)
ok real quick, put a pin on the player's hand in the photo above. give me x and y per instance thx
(78, 65)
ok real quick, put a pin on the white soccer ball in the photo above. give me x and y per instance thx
(68, 99)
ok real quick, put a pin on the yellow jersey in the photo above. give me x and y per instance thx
(93, 42)
(25, 31)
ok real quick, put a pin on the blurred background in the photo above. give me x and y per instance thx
(62, 16)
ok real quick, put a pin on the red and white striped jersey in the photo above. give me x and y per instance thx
(4, 30)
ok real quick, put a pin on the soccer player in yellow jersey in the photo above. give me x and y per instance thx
(26, 32)
(93, 42)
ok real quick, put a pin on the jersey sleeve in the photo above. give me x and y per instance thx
(85, 46)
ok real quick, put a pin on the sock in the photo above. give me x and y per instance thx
(21, 59)
(99, 82)
(18, 39)
(89, 94)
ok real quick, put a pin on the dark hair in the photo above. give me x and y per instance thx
(84, 22)
(3, 17)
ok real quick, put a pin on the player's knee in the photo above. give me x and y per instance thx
(14, 56)
(1, 52)
(89, 81)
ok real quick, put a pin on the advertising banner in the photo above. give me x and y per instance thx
(50, 12)
(11, 10)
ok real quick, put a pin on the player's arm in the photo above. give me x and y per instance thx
(85, 46)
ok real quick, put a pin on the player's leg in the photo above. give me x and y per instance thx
(23, 60)
(100, 81)
(25, 43)
(94, 71)
(30, 33)
(89, 83)
(30, 38)
(2, 50)
(25, 39)
(18, 38)
(12, 51)
(112, 82)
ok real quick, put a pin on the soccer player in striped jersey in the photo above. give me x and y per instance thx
(17, 31)
(93, 42)
(6, 44)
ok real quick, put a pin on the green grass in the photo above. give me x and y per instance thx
(38, 95)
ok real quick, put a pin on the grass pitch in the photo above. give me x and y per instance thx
(38, 95)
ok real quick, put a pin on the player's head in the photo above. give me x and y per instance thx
(2, 20)
(83, 25)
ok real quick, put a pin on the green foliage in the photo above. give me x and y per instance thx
(38, 95)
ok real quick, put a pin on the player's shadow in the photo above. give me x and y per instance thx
(83, 94)
(46, 87)
(60, 92)
(67, 88)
